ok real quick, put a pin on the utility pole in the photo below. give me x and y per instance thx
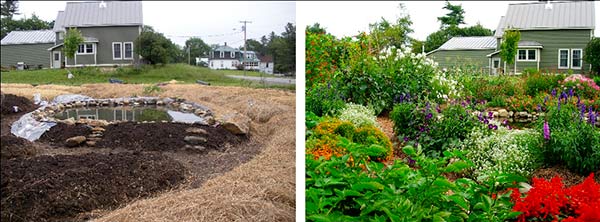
(189, 61)
(244, 56)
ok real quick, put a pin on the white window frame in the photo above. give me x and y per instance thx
(527, 59)
(221, 54)
(61, 35)
(580, 59)
(568, 59)
(85, 49)
(121, 50)
(232, 54)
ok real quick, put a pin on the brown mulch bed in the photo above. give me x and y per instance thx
(163, 136)
(57, 188)
(568, 178)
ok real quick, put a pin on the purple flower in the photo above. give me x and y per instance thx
(428, 116)
(546, 131)
(427, 106)
(582, 113)
(578, 100)
(480, 116)
(486, 121)
(490, 114)
(539, 108)
(570, 92)
(505, 122)
(592, 119)
(563, 95)
(545, 100)
(553, 92)
(509, 127)
(411, 162)
(437, 108)
(406, 139)
(558, 106)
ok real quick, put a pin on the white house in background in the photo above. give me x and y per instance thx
(266, 64)
(226, 57)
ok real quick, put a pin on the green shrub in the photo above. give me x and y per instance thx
(324, 100)
(152, 90)
(358, 115)
(504, 151)
(351, 188)
(538, 83)
(454, 126)
(572, 142)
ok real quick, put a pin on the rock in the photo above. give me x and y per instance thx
(236, 123)
(160, 103)
(194, 140)
(69, 121)
(511, 113)
(98, 129)
(98, 123)
(95, 139)
(90, 143)
(195, 130)
(69, 106)
(75, 141)
(210, 120)
(502, 113)
(195, 149)
(494, 114)
(95, 135)
(126, 101)
(185, 107)
(199, 112)
(136, 104)
(78, 104)
(151, 101)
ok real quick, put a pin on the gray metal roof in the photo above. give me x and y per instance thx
(86, 14)
(29, 37)
(225, 48)
(531, 44)
(472, 43)
(553, 15)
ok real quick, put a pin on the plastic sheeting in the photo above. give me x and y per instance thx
(29, 128)
(185, 117)
(71, 98)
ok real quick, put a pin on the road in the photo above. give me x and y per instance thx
(268, 80)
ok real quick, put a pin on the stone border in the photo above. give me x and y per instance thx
(523, 116)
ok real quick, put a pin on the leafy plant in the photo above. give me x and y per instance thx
(539, 83)
(508, 48)
(592, 54)
(152, 90)
(358, 115)
(324, 100)
(73, 39)
(351, 188)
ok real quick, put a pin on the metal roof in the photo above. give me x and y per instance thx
(225, 48)
(472, 43)
(530, 44)
(29, 37)
(110, 13)
(552, 15)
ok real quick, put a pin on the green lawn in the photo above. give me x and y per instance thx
(147, 74)
(248, 73)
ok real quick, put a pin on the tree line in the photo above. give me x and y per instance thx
(8, 24)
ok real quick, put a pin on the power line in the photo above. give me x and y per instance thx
(205, 36)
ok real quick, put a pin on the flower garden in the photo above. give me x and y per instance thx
(451, 157)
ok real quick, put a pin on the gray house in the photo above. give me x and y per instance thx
(28, 47)
(226, 57)
(553, 37)
(109, 30)
(465, 52)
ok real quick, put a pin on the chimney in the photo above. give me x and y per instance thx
(225, 43)
(548, 5)
(102, 4)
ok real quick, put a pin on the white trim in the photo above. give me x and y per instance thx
(527, 55)
(221, 54)
(85, 49)
(580, 59)
(232, 54)
(538, 58)
(126, 58)
(568, 63)
(95, 53)
(52, 58)
(113, 50)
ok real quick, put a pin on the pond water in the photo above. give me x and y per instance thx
(134, 114)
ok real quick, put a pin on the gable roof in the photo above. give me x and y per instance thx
(88, 14)
(552, 15)
(225, 48)
(468, 43)
(29, 37)
(266, 58)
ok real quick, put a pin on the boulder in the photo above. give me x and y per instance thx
(90, 143)
(98, 129)
(236, 123)
(195, 149)
(75, 141)
(502, 113)
(69, 121)
(194, 140)
(195, 130)
(98, 123)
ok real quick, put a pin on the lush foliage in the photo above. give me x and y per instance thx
(350, 188)
(387, 34)
(537, 83)
(592, 54)
(324, 100)
(323, 54)
(358, 115)
(73, 39)
(332, 137)
(504, 151)
(31, 23)
(550, 200)
(570, 140)
(155, 47)
(196, 47)
(508, 48)
(585, 87)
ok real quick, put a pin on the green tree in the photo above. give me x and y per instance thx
(73, 39)
(509, 46)
(155, 47)
(388, 34)
(256, 46)
(32, 23)
(9, 8)
(316, 29)
(455, 17)
(284, 50)
(592, 54)
(196, 47)
(416, 45)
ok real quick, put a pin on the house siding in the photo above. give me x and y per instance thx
(106, 36)
(31, 54)
(552, 40)
(453, 58)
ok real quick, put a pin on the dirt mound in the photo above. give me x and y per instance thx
(58, 134)
(10, 100)
(57, 188)
(162, 136)
(12, 146)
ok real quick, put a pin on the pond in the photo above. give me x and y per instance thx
(134, 114)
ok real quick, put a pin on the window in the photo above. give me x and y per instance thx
(221, 54)
(526, 55)
(87, 48)
(576, 58)
(563, 58)
(56, 56)
(221, 64)
(61, 35)
(232, 54)
(128, 50)
(117, 52)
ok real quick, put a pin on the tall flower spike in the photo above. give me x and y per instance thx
(553, 92)
(558, 106)
(546, 130)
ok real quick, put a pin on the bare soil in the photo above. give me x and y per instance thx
(57, 135)
(568, 178)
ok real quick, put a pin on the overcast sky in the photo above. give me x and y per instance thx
(348, 18)
(214, 22)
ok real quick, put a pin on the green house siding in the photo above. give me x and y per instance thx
(462, 58)
(552, 40)
(106, 36)
(31, 54)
